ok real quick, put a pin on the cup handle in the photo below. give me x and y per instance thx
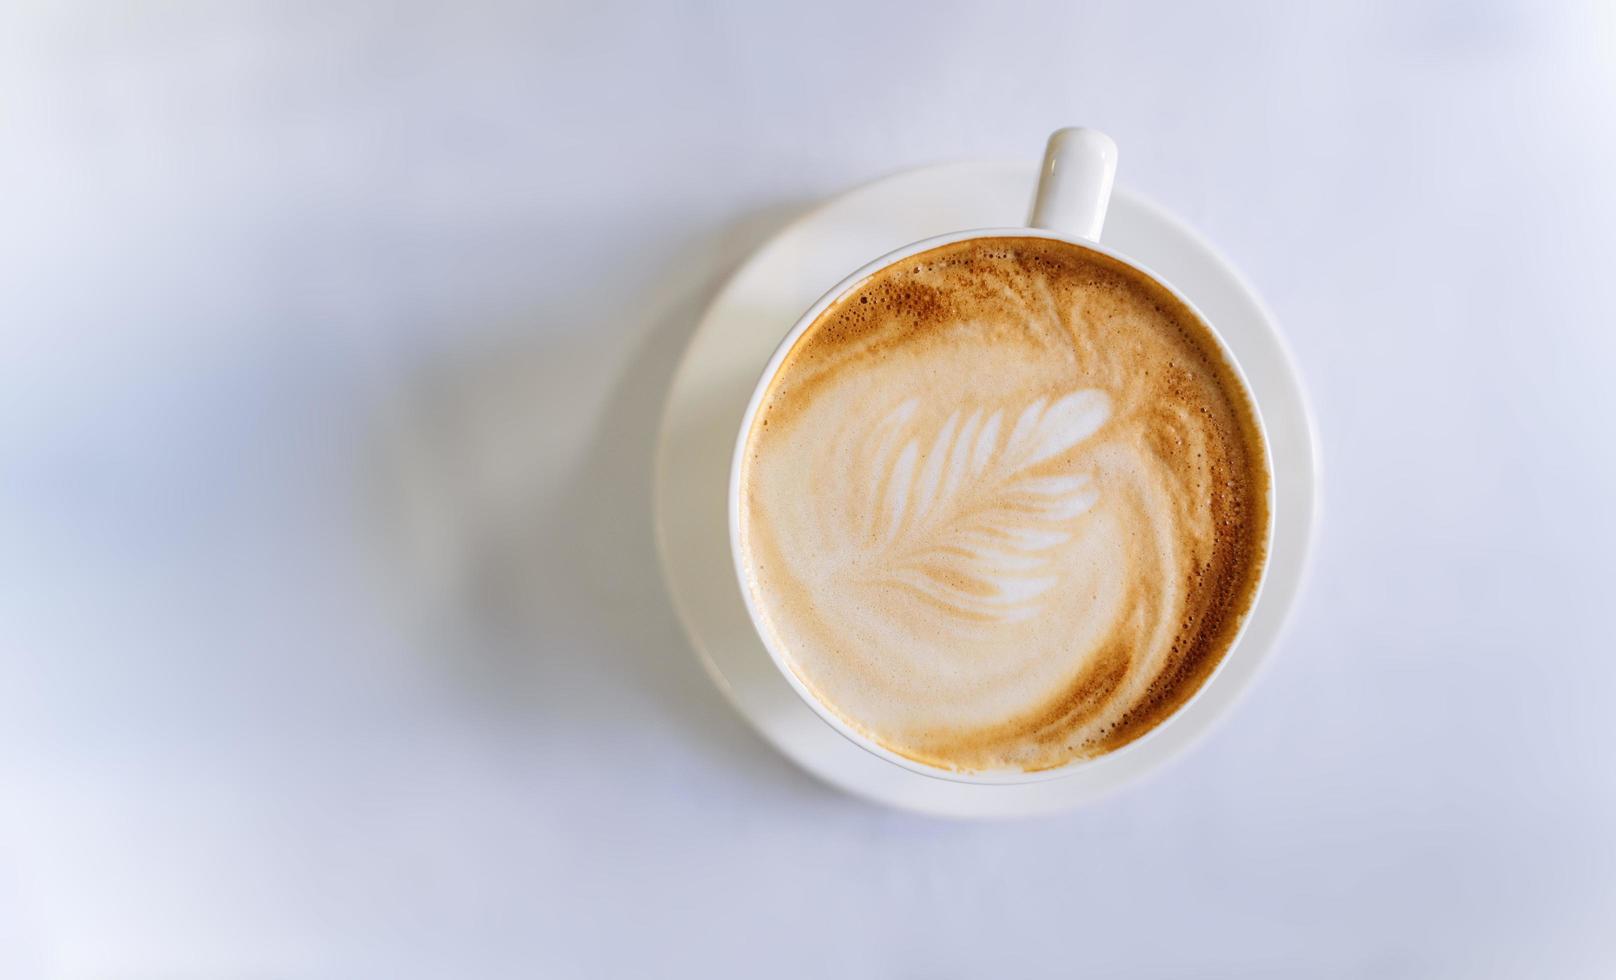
(1074, 185)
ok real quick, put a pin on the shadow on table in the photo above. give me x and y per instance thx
(527, 552)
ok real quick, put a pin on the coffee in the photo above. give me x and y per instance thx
(1004, 505)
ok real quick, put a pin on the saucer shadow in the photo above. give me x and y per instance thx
(521, 549)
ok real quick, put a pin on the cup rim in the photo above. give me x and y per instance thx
(755, 616)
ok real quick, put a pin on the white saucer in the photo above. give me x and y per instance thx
(726, 355)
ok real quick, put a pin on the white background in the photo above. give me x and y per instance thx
(332, 342)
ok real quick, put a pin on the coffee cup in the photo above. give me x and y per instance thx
(1000, 502)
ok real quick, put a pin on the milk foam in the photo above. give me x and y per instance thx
(1004, 505)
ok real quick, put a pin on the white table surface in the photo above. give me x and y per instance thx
(332, 342)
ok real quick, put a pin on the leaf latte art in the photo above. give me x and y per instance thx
(1004, 505)
(974, 530)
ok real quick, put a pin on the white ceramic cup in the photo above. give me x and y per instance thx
(1074, 189)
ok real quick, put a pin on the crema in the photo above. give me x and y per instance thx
(1004, 505)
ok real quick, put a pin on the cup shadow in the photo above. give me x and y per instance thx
(526, 557)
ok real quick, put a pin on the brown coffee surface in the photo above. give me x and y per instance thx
(1004, 505)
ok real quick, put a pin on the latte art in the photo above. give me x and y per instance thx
(973, 531)
(1004, 505)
